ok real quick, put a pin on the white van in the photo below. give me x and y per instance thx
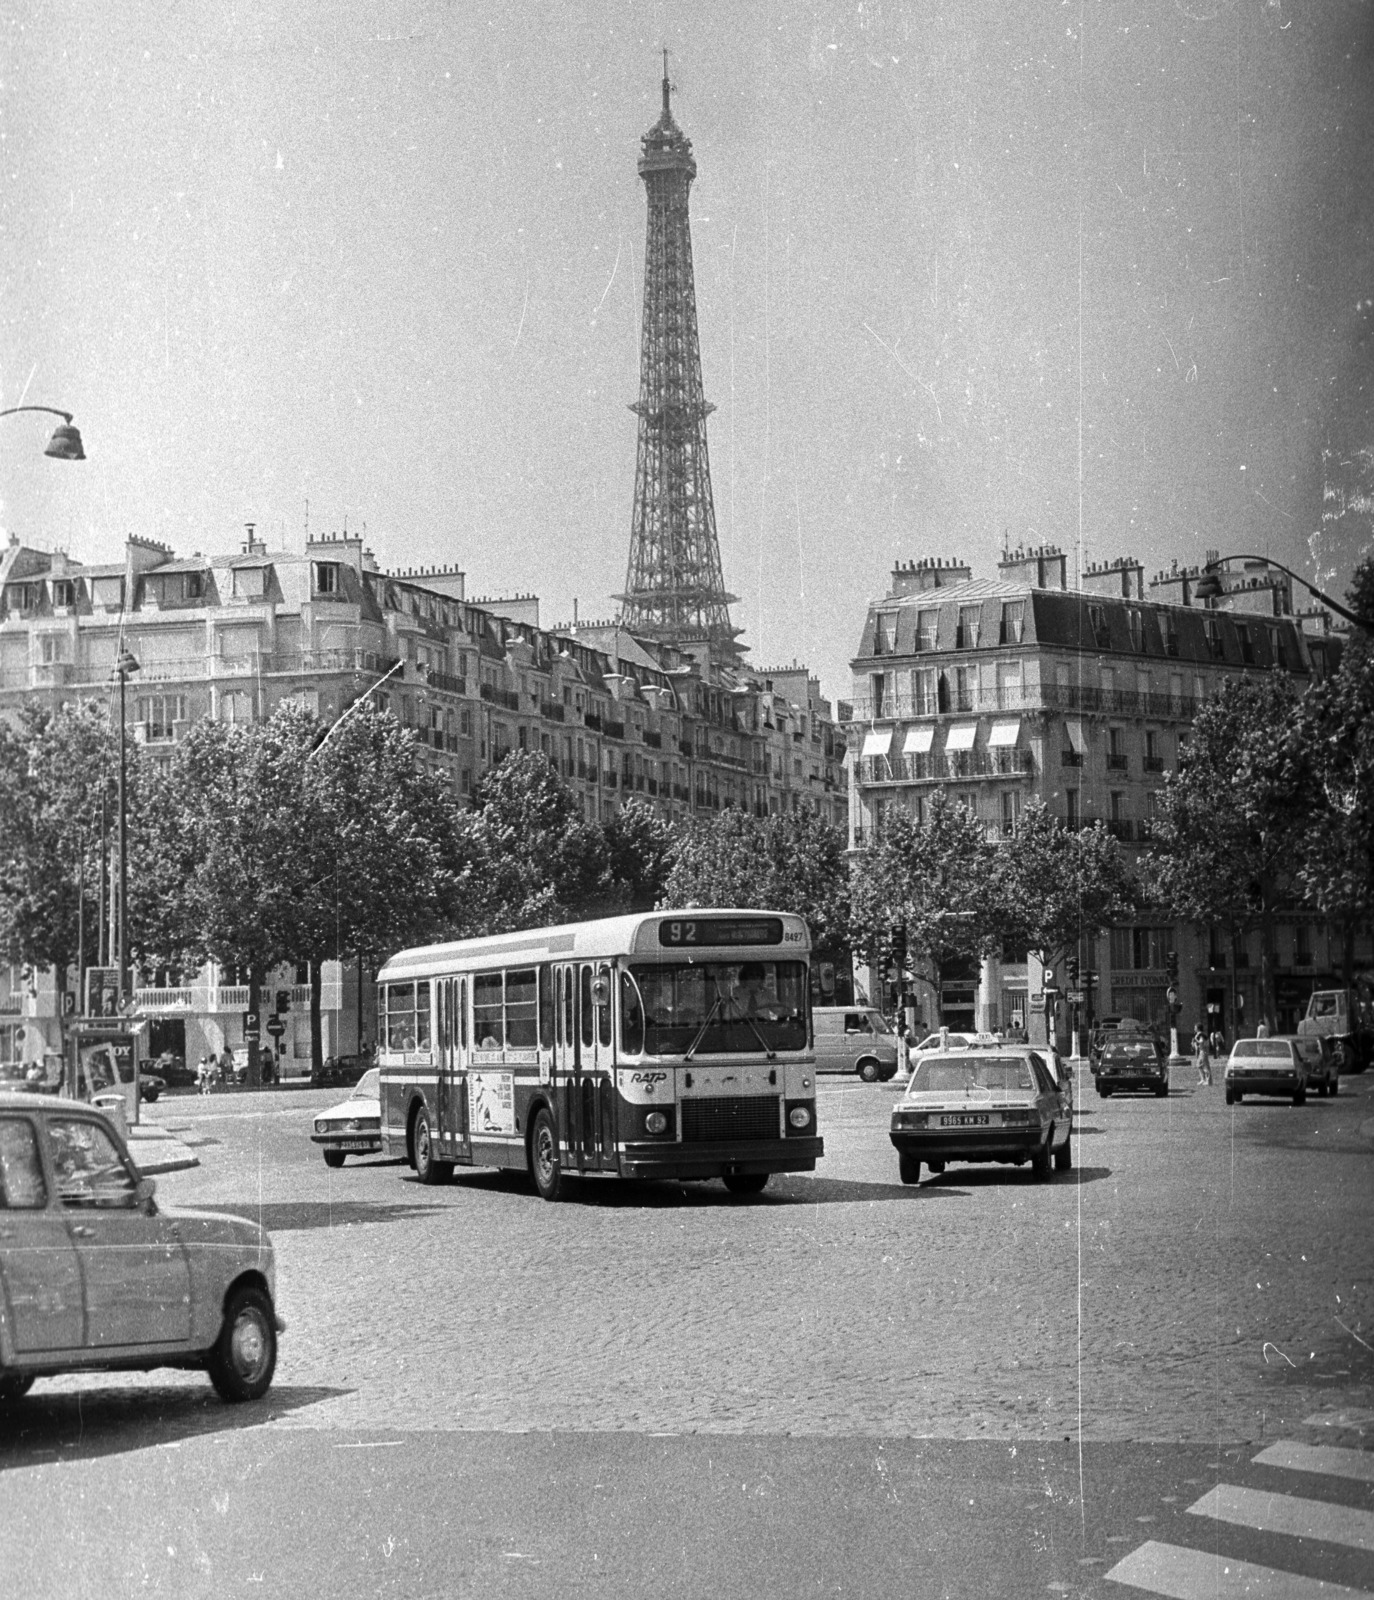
(854, 1039)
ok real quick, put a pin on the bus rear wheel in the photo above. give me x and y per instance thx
(428, 1168)
(545, 1168)
(746, 1182)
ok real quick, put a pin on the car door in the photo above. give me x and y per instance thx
(134, 1266)
(40, 1275)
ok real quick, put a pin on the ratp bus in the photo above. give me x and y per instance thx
(670, 1044)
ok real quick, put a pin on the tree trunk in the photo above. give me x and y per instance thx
(1267, 1000)
(316, 1032)
(1234, 934)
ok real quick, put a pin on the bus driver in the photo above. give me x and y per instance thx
(751, 998)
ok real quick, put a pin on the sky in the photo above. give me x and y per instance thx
(1096, 273)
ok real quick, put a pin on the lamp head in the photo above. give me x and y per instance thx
(65, 444)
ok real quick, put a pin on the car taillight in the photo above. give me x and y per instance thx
(911, 1119)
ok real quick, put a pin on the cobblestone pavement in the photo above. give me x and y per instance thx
(1203, 1274)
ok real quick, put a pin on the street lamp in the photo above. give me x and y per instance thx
(65, 444)
(1209, 586)
(122, 668)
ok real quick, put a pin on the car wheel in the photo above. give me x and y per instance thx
(244, 1357)
(937, 1167)
(333, 1158)
(428, 1167)
(15, 1386)
(908, 1167)
(1231, 1097)
(746, 1182)
(1162, 1090)
(1063, 1157)
(1041, 1162)
(868, 1070)
(545, 1168)
(151, 1094)
(1300, 1097)
(1103, 1093)
(1333, 1088)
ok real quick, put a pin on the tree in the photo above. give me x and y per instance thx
(1225, 834)
(1052, 885)
(792, 861)
(927, 888)
(1336, 874)
(638, 844)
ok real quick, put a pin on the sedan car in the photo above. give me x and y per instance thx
(96, 1276)
(1266, 1066)
(1003, 1104)
(355, 1126)
(1132, 1061)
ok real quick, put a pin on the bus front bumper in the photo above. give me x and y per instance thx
(649, 1160)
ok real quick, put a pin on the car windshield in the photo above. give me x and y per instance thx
(1263, 1049)
(718, 1007)
(959, 1074)
(369, 1086)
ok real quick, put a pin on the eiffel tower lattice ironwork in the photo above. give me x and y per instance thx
(674, 590)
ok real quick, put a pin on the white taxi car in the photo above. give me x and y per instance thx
(1004, 1103)
(96, 1276)
(353, 1127)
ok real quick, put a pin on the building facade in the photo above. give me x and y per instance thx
(1005, 690)
(233, 637)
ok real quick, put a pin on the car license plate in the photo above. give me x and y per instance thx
(967, 1119)
(354, 1144)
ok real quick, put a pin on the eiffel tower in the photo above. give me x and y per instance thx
(674, 591)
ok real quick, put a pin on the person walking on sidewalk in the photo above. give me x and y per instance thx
(1203, 1056)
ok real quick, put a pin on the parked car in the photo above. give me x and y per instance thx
(96, 1276)
(150, 1085)
(1131, 1061)
(1323, 1057)
(340, 1071)
(854, 1039)
(1266, 1066)
(1003, 1104)
(173, 1071)
(355, 1126)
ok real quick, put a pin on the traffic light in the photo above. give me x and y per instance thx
(1171, 966)
(283, 1002)
(1072, 965)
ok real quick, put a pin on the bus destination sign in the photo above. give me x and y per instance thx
(688, 933)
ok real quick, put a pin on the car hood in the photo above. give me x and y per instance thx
(364, 1107)
(216, 1227)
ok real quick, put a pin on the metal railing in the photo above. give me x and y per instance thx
(900, 706)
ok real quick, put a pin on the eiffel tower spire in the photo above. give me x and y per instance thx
(674, 590)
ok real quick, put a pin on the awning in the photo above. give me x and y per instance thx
(1074, 728)
(919, 740)
(960, 737)
(1004, 733)
(877, 741)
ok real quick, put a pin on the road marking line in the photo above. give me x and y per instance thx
(1347, 1417)
(1288, 1513)
(1183, 1574)
(1333, 1460)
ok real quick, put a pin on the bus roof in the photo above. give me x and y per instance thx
(637, 934)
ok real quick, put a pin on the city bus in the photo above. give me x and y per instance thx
(667, 1044)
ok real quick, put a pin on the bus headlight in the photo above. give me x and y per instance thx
(799, 1116)
(656, 1122)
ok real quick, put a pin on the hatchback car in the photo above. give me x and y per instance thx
(1004, 1104)
(1131, 1061)
(854, 1039)
(96, 1276)
(1266, 1066)
(355, 1126)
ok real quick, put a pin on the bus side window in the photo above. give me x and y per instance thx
(546, 1007)
(463, 1012)
(587, 1019)
(568, 1006)
(631, 1017)
(422, 1020)
(603, 1011)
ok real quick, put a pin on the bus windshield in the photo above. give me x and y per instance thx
(719, 1007)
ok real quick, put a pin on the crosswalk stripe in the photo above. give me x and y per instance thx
(1288, 1513)
(1333, 1460)
(1183, 1574)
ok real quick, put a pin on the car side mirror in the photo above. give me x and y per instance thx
(147, 1188)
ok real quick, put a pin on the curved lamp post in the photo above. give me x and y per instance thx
(65, 444)
(1209, 586)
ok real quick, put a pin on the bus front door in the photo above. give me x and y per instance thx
(567, 1075)
(455, 1136)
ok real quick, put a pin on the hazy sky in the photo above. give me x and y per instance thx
(965, 272)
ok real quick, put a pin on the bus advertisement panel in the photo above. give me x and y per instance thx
(668, 1044)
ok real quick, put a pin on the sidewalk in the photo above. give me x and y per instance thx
(156, 1150)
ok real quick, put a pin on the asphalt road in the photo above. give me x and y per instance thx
(980, 1387)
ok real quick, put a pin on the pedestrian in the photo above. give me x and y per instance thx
(1262, 1032)
(1202, 1055)
(203, 1074)
(1217, 1041)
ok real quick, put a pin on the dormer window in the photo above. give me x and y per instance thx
(63, 592)
(967, 636)
(193, 586)
(1097, 620)
(1247, 643)
(326, 577)
(885, 633)
(1136, 623)
(1013, 621)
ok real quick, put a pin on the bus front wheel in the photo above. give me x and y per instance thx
(545, 1168)
(428, 1167)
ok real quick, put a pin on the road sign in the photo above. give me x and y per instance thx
(1037, 999)
(276, 1027)
(251, 1032)
(1077, 997)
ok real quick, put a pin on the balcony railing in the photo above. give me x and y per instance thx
(1153, 764)
(1116, 761)
(944, 768)
(150, 999)
(1029, 697)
